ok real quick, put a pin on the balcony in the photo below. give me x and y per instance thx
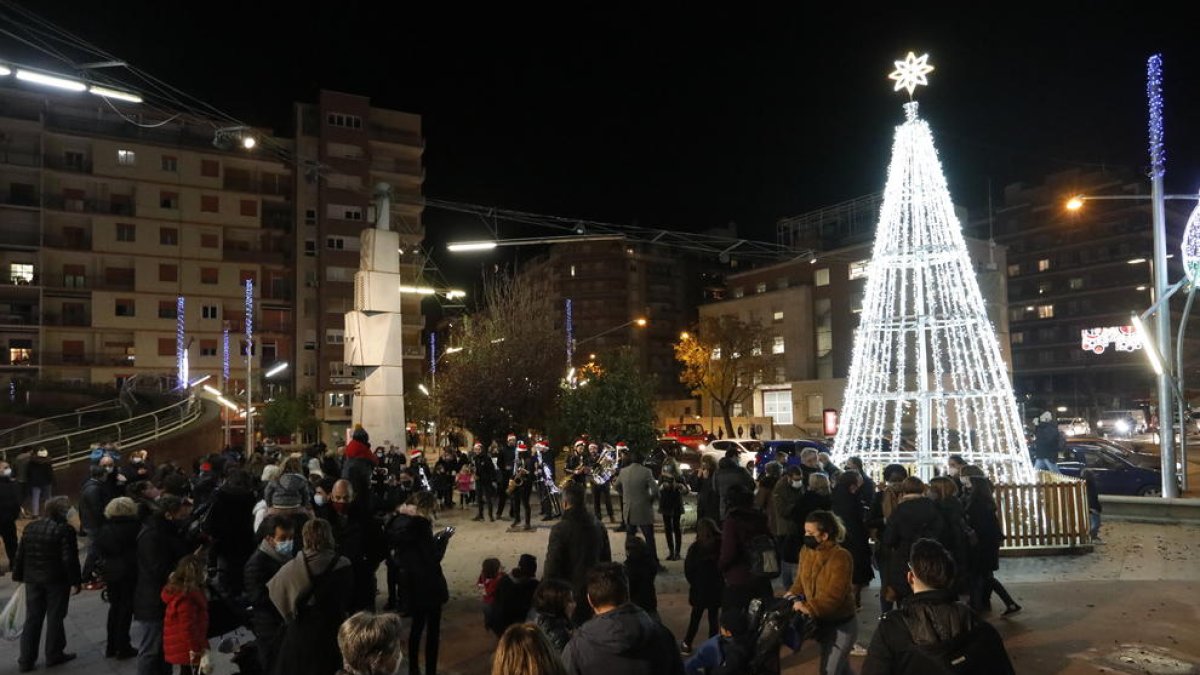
(277, 185)
(19, 198)
(398, 166)
(10, 282)
(73, 165)
(85, 359)
(21, 319)
(240, 251)
(66, 320)
(75, 242)
(389, 135)
(11, 237)
(89, 205)
(26, 159)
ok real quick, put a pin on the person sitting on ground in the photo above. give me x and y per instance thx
(524, 650)
(553, 605)
(370, 644)
(514, 594)
(620, 638)
(726, 653)
(932, 629)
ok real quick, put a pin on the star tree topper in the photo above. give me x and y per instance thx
(910, 73)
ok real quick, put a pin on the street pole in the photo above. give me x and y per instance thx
(1162, 320)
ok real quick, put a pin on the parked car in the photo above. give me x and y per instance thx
(1073, 426)
(1121, 423)
(791, 446)
(691, 434)
(1129, 452)
(688, 458)
(748, 449)
(1115, 475)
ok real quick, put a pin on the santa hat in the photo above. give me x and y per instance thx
(478, 444)
(413, 454)
(541, 445)
(206, 466)
(594, 444)
(512, 437)
(521, 446)
(622, 446)
(579, 443)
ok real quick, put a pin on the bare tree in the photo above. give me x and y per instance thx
(507, 374)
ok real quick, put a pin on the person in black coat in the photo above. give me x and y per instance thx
(705, 583)
(708, 501)
(138, 468)
(670, 504)
(514, 594)
(956, 533)
(640, 569)
(985, 554)
(915, 517)
(577, 542)
(553, 606)
(39, 478)
(230, 522)
(276, 548)
(116, 545)
(932, 629)
(850, 508)
(357, 536)
(48, 564)
(10, 510)
(485, 480)
(94, 496)
(419, 556)
(161, 544)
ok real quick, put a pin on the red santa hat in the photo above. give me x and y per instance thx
(478, 444)
(521, 446)
(512, 437)
(415, 453)
(540, 445)
(622, 446)
(579, 443)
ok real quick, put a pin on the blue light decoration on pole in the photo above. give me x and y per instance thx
(225, 355)
(570, 330)
(433, 352)
(181, 355)
(249, 365)
(1158, 159)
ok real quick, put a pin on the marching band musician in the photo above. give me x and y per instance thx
(577, 462)
(485, 480)
(603, 467)
(521, 484)
(547, 488)
(508, 457)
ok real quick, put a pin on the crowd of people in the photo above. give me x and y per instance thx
(288, 546)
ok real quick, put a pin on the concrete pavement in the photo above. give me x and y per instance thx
(1129, 607)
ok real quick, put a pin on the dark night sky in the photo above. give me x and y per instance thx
(684, 119)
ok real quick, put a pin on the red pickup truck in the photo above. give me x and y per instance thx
(691, 434)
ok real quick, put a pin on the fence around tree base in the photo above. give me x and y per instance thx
(1048, 515)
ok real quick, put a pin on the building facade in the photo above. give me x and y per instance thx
(1074, 271)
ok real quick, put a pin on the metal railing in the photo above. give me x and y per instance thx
(74, 446)
(47, 426)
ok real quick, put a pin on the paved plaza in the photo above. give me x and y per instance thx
(1129, 607)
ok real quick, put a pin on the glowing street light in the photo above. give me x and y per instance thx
(423, 388)
(277, 369)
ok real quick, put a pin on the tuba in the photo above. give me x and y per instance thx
(606, 466)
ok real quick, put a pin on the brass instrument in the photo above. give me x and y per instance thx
(517, 481)
(606, 466)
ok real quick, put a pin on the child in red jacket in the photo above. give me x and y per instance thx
(489, 576)
(185, 625)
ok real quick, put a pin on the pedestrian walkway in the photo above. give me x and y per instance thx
(1129, 607)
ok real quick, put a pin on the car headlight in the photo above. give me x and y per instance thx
(685, 467)
(1122, 426)
(703, 447)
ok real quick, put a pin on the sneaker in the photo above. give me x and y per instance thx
(685, 648)
(1011, 609)
(858, 650)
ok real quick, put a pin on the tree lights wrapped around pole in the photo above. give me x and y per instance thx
(927, 379)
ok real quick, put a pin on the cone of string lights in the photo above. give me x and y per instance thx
(927, 379)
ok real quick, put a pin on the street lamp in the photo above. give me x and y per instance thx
(489, 244)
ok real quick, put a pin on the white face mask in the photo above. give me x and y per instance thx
(798, 484)
(319, 500)
(952, 471)
(6, 473)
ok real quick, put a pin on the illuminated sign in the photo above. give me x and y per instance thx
(1122, 338)
(829, 422)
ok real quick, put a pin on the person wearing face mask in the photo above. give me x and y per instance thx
(353, 534)
(276, 548)
(39, 477)
(824, 590)
(849, 507)
(138, 468)
(10, 510)
(160, 546)
(48, 566)
(788, 531)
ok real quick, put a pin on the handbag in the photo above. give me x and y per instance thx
(12, 618)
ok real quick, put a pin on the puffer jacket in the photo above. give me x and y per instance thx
(48, 554)
(116, 544)
(624, 640)
(292, 483)
(185, 626)
(556, 627)
(930, 628)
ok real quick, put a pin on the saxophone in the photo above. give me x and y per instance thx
(517, 481)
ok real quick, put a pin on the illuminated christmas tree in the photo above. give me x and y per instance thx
(927, 379)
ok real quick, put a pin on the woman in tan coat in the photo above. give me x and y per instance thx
(824, 590)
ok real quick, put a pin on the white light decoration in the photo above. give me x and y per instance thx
(181, 350)
(927, 379)
(1190, 246)
(117, 94)
(1122, 338)
(910, 73)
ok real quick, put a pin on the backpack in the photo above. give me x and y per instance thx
(973, 652)
(764, 557)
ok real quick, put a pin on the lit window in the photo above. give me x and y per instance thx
(1076, 283)
(340, 399)
(572, 270)
(334, 336)
(821, 277)
(21, 273)
(739, 292)
(778, 406)
(1043, 264)
(1045, 311)
(777, 316)
(343, 120)
(1014, 270)
(716, 354)
(777, 345)
(858, 270)
(126, 158)
(761, 287)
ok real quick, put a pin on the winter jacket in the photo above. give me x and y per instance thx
(955, 537)
(624, 640)
(577, 542)
(116, 544)
(640, 570)
(260, 568)
(670, 496)
(160, 545)
(419, 555)
(1048, 441)
(39, 472)
(915, 517)
(10, 501)
(230, 522)
(810, 501)
(783, 500)
(48, 554)
(294, 485)
(720, 655)
(185, 626)
(92, 500)
(639, 490)
(708, 500)
(309, 643)
(134, 472)
(848, 507)
(730, 474)
(358, 466)
(705, 583)
(981, 516)
(513, 599)
(825, 579)
(763, 500)
(740, 528)
(556, 627)
(916, 639)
